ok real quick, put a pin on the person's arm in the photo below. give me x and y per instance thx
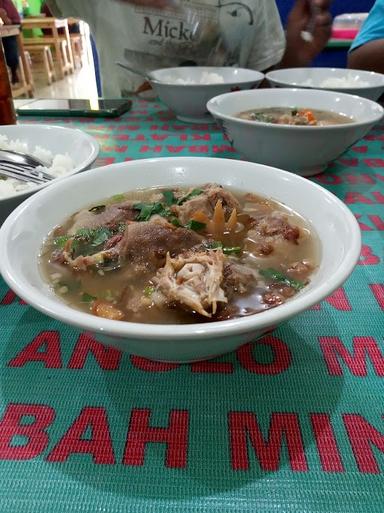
(299, 52)
(13, 17)
(367, 50)
(369, 56)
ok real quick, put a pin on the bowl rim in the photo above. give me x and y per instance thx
(277, 91)
(78, 133)
(123, 329)
(270, 75)
(259, 76)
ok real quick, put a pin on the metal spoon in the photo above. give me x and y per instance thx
(137, 72)
(22, 158)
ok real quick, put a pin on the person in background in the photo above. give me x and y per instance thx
(367, 50)
(10, 16)
(73, 28)
(150, 34)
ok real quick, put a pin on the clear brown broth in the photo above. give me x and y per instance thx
(118, 285)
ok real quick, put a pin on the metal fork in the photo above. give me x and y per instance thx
(23, 173)
(23, 167)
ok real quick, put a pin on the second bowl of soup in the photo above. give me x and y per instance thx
(299, 130)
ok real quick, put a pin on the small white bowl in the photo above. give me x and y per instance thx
(22, 234)
(81, 147)
(305, 150)
(189, 101)
(366, 84)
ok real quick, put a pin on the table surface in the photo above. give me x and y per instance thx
(290, 423)
(9, 30)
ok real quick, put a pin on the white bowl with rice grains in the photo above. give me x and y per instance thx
(186, 89)
(366, 84)
(66, 150)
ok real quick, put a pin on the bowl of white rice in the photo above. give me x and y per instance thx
(187, 89)
(65, 151)
(366, 84)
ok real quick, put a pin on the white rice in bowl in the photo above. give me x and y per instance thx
(341, 82)
(57, 165)
(205, 79)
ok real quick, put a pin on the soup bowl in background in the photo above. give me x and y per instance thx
(366, 84)
(23, 233)
(305, 150)
(189, 100)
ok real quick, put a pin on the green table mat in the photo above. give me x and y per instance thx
(290, 423)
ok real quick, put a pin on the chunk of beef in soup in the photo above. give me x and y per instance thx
(272, 233)
(143, 246)
(147, 244)
(238, 278)
(103, 215)
(173, 256)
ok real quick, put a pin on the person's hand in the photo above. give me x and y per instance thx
(4, 17)
(317, 20)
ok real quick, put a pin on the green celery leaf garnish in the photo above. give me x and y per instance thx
(148, 291)
(231, 250)
(173, 220)
(84, 233)
(277, 276)
(60, 241)
(100, 236)
(190, 195)
(87, 298)
(169, 198)
(227, 250)
(195, 225)
(86, 240)
(147, 210)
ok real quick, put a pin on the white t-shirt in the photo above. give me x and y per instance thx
(246, 33)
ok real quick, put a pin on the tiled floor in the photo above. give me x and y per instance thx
(81, 84)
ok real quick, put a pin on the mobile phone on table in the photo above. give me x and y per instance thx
(104, 108)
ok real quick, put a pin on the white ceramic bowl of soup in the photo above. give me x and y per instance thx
(79, 146)
(366, 84)
(305, 150)
(186, 90)
(23, 233)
